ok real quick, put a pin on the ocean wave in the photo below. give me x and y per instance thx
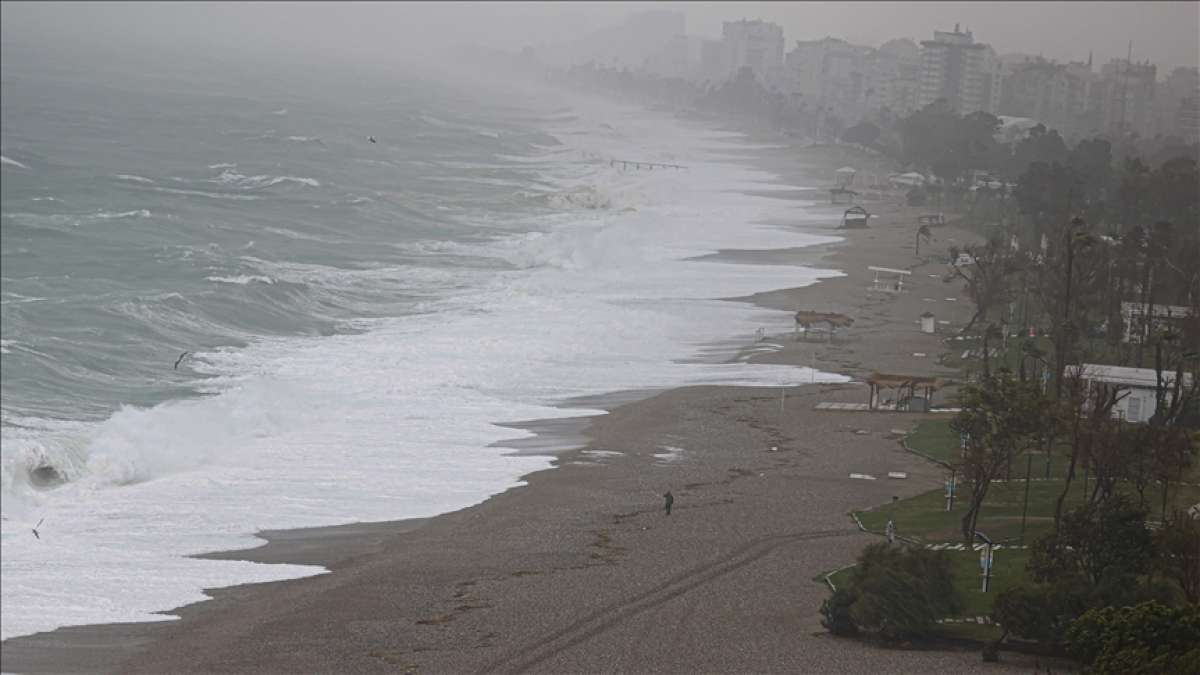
(225, 165)
(12, 162)
(114, 215)
(306, 139)
(210, 195)
(134, 178)
(280, 112)
(242, 280)
(230, 177)
(18, 299)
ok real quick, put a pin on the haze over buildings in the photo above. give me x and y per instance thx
(956, 64)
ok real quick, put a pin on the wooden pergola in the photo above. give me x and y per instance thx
(839, 195)
(806, 320)
(906, 387)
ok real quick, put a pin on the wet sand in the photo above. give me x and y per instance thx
(580, 570)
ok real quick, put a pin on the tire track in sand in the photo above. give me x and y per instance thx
(605, 618)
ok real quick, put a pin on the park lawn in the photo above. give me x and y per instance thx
(935, 438)
(923, 518)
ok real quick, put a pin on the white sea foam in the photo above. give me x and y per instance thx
(133, 178)
(114, 215)
(210, 195)
(12, 162)
(242, 279)
(398, 421)
(225, 165)
(235, 179)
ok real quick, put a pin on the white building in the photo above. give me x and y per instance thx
(1137, 386)
(757, 45)
(1137, 325)
(963, 72)
(833, 75)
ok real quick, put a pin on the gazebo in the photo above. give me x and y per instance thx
(855, 217)
(840, 195)
(907, 388)
(806, 320)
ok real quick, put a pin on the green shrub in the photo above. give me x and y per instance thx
(902, 591)
(1142, 639)
(1041, 612)
(835, 613)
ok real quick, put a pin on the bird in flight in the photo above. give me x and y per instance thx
(180, 359)
(35, 528)
(371, 138)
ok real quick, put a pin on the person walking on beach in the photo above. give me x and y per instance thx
(889, 531)
(670, 499)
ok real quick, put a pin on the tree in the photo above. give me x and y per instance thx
(1103, 543)
(1039, 612)
(1147, 639)
(1001, 416)
(863, 133)
(988, 278)
(1177, 544)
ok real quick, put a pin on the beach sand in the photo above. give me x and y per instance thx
(580, 570)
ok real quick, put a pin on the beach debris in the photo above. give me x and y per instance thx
(897, 474)
(35, 529)
(774, 448)
(862, 476)
(951, 299)
(861, 432)
(918, 353)
(180, 359)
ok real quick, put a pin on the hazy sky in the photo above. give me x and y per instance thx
(1163, 32)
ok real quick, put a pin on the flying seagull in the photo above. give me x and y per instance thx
(371, 138)
(180, 359)
(35, 527)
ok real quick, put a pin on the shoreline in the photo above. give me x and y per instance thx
(354, 553)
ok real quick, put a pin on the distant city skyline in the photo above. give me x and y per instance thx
(1165, 33)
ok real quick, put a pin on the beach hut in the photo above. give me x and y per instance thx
(855, 217)
(841, 195)
(912, 393)
(807, 320)
(910, 179)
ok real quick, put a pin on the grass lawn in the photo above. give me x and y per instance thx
(925, 519)
(936, 439)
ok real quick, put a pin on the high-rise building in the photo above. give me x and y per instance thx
(757, 45)
(964, 73)
(898, 63)
(1177, 104)
(833, 75)
(1124, 99)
